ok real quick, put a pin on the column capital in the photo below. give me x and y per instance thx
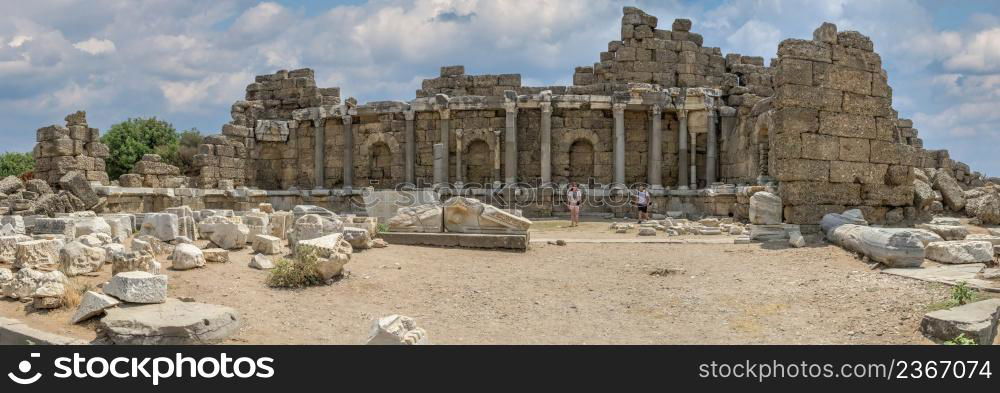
(656, 110)
(409, 114)
(712, 112)
(445, 113)
(458, 133)
(317, 123)
(545, 106)
(347, 119)
(682, 113)
(510, 107)
(618, 107)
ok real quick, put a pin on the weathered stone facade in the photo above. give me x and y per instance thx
(658, 108)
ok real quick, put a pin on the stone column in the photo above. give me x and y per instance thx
(712, 156)
(319, 152)
(445, 127)
(682, 150)
(348, 152)
(411, 148)
(440, 154)
(693, 171)
(619, 147)
(655, 150)
(496, 155)
(459, 178)
(546, 142)
(510, 143)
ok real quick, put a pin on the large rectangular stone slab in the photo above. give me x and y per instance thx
(464, 240)
(385, 204)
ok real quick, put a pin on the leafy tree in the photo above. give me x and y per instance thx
(188, 147)
(133, 138)
(181, 154)
(16, 164)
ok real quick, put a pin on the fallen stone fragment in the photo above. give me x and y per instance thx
(216, 255)
(26, 281)
(647, 231)
(397, 330)
(171, 322)
(261, 262)
(134, 262)
(951, 191)
(977, 321)
(995, 240)
(163, 226)
(230, 236)
(960, 251)
(948, 232)
(77, 258)
(267, 245)
(138, 287)
(38, 254)
(93, 304)
(359, 238)
(48, 296)
(893, 247)
(765, 208)
(796, 240)
(187, 256)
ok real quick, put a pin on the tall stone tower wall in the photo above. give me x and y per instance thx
(834, 138)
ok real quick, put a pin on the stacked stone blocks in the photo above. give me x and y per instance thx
(74, 147)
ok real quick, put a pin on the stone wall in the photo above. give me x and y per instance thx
(454, 82)
(152, 172)
(260, 146)
(646, 54)
(75, 147)
(834, 141)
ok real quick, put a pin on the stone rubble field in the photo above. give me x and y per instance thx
(579, 293)
(184, 276)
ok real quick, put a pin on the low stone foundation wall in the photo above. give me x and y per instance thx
(533, 202)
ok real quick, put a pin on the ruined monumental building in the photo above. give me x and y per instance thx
(660, 108)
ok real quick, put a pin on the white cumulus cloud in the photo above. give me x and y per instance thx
(95, 46)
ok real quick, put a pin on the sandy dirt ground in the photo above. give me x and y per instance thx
(573, 294)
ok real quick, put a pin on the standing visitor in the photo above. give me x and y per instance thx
(574, 198)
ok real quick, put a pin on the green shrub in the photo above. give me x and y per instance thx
(300, 271)
(960, 340)
(962, 294)
(16, 164)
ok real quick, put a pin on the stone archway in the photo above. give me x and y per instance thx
(382, 160)
(581, 161)
(478, 162)
(380, 166)
(574, 157)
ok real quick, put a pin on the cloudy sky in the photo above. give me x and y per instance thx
(186, 61)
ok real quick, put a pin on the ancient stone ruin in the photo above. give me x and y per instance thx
(75, 147)
(658, 108)
(804, 143)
